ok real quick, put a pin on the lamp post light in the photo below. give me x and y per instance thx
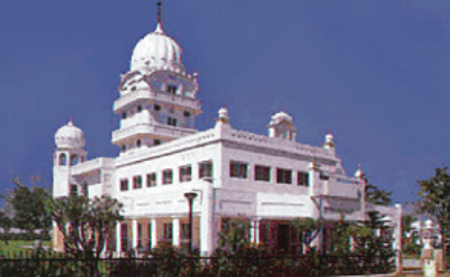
(190, 196)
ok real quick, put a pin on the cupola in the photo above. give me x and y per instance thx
(329, 143)
(223, 114)
(69, 137)
(157, 51)
(281, 126)
(359, 173)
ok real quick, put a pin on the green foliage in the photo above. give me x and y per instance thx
(373, 239)
(435, 199)
(85, 223)
(27, 206)
(5, 224)
(377, 196)
(308, 229)
(409, 246)
(234, 235)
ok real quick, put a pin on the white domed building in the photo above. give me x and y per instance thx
(267, 180)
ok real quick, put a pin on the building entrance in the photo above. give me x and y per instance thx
(283, 238)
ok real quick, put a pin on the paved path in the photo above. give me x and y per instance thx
(411, 263)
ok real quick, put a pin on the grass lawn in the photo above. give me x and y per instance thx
(18, 247)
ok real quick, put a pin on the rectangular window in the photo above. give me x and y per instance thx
(264, 232)
(167, 236)
(73, 190)
(151, 180)
(172, 89)
(302, 179)
(172, 121)
(124, 236)
(137, 182)
(324, 177)
(167, 176)
(139, 235)
(124, 184)
(184, 231)
(205, 169)
(238, 169)
(185, 173)
(284, 176)
(157, 142)
(262, 173)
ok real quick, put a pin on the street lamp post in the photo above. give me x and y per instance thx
(190, 196)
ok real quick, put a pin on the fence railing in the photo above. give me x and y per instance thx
(249, 265)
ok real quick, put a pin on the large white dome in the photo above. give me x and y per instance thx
(156, 50)
(69, 136)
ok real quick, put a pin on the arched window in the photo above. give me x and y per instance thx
(62, 159)
(74, 159)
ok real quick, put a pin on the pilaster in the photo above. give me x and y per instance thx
(176, 231)
(118, 239)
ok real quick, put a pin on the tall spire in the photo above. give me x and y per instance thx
(159, 26)
(159, 11)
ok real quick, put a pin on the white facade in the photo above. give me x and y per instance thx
(235, 173)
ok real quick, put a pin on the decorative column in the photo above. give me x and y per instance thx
(118, 239)
(315, 192)
(206, 221)
(134, 233)
(362, 188)
(254, 231)
(398, 237)
(154, 232)
(176, 231)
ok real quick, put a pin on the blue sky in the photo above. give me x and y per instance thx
(375, 72)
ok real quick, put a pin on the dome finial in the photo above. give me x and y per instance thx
(223, 114)
(359, 173)
(71, 121)
(282, 107)
(159, 12)
(159, 26)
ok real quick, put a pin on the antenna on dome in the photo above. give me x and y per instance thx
(282, 107)
(159, 12)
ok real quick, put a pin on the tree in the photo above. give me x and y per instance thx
(85, 223)
(409, 236)
(377, 196)
(373, 239)
(27, 206)
(234, 235)
(435, 194)
(5, 224)
(308, 229)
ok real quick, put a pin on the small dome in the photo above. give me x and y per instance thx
(359, 173)
(223, 113)
(329, 141)
(279, 117)
(156, 50)
(69, 136)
